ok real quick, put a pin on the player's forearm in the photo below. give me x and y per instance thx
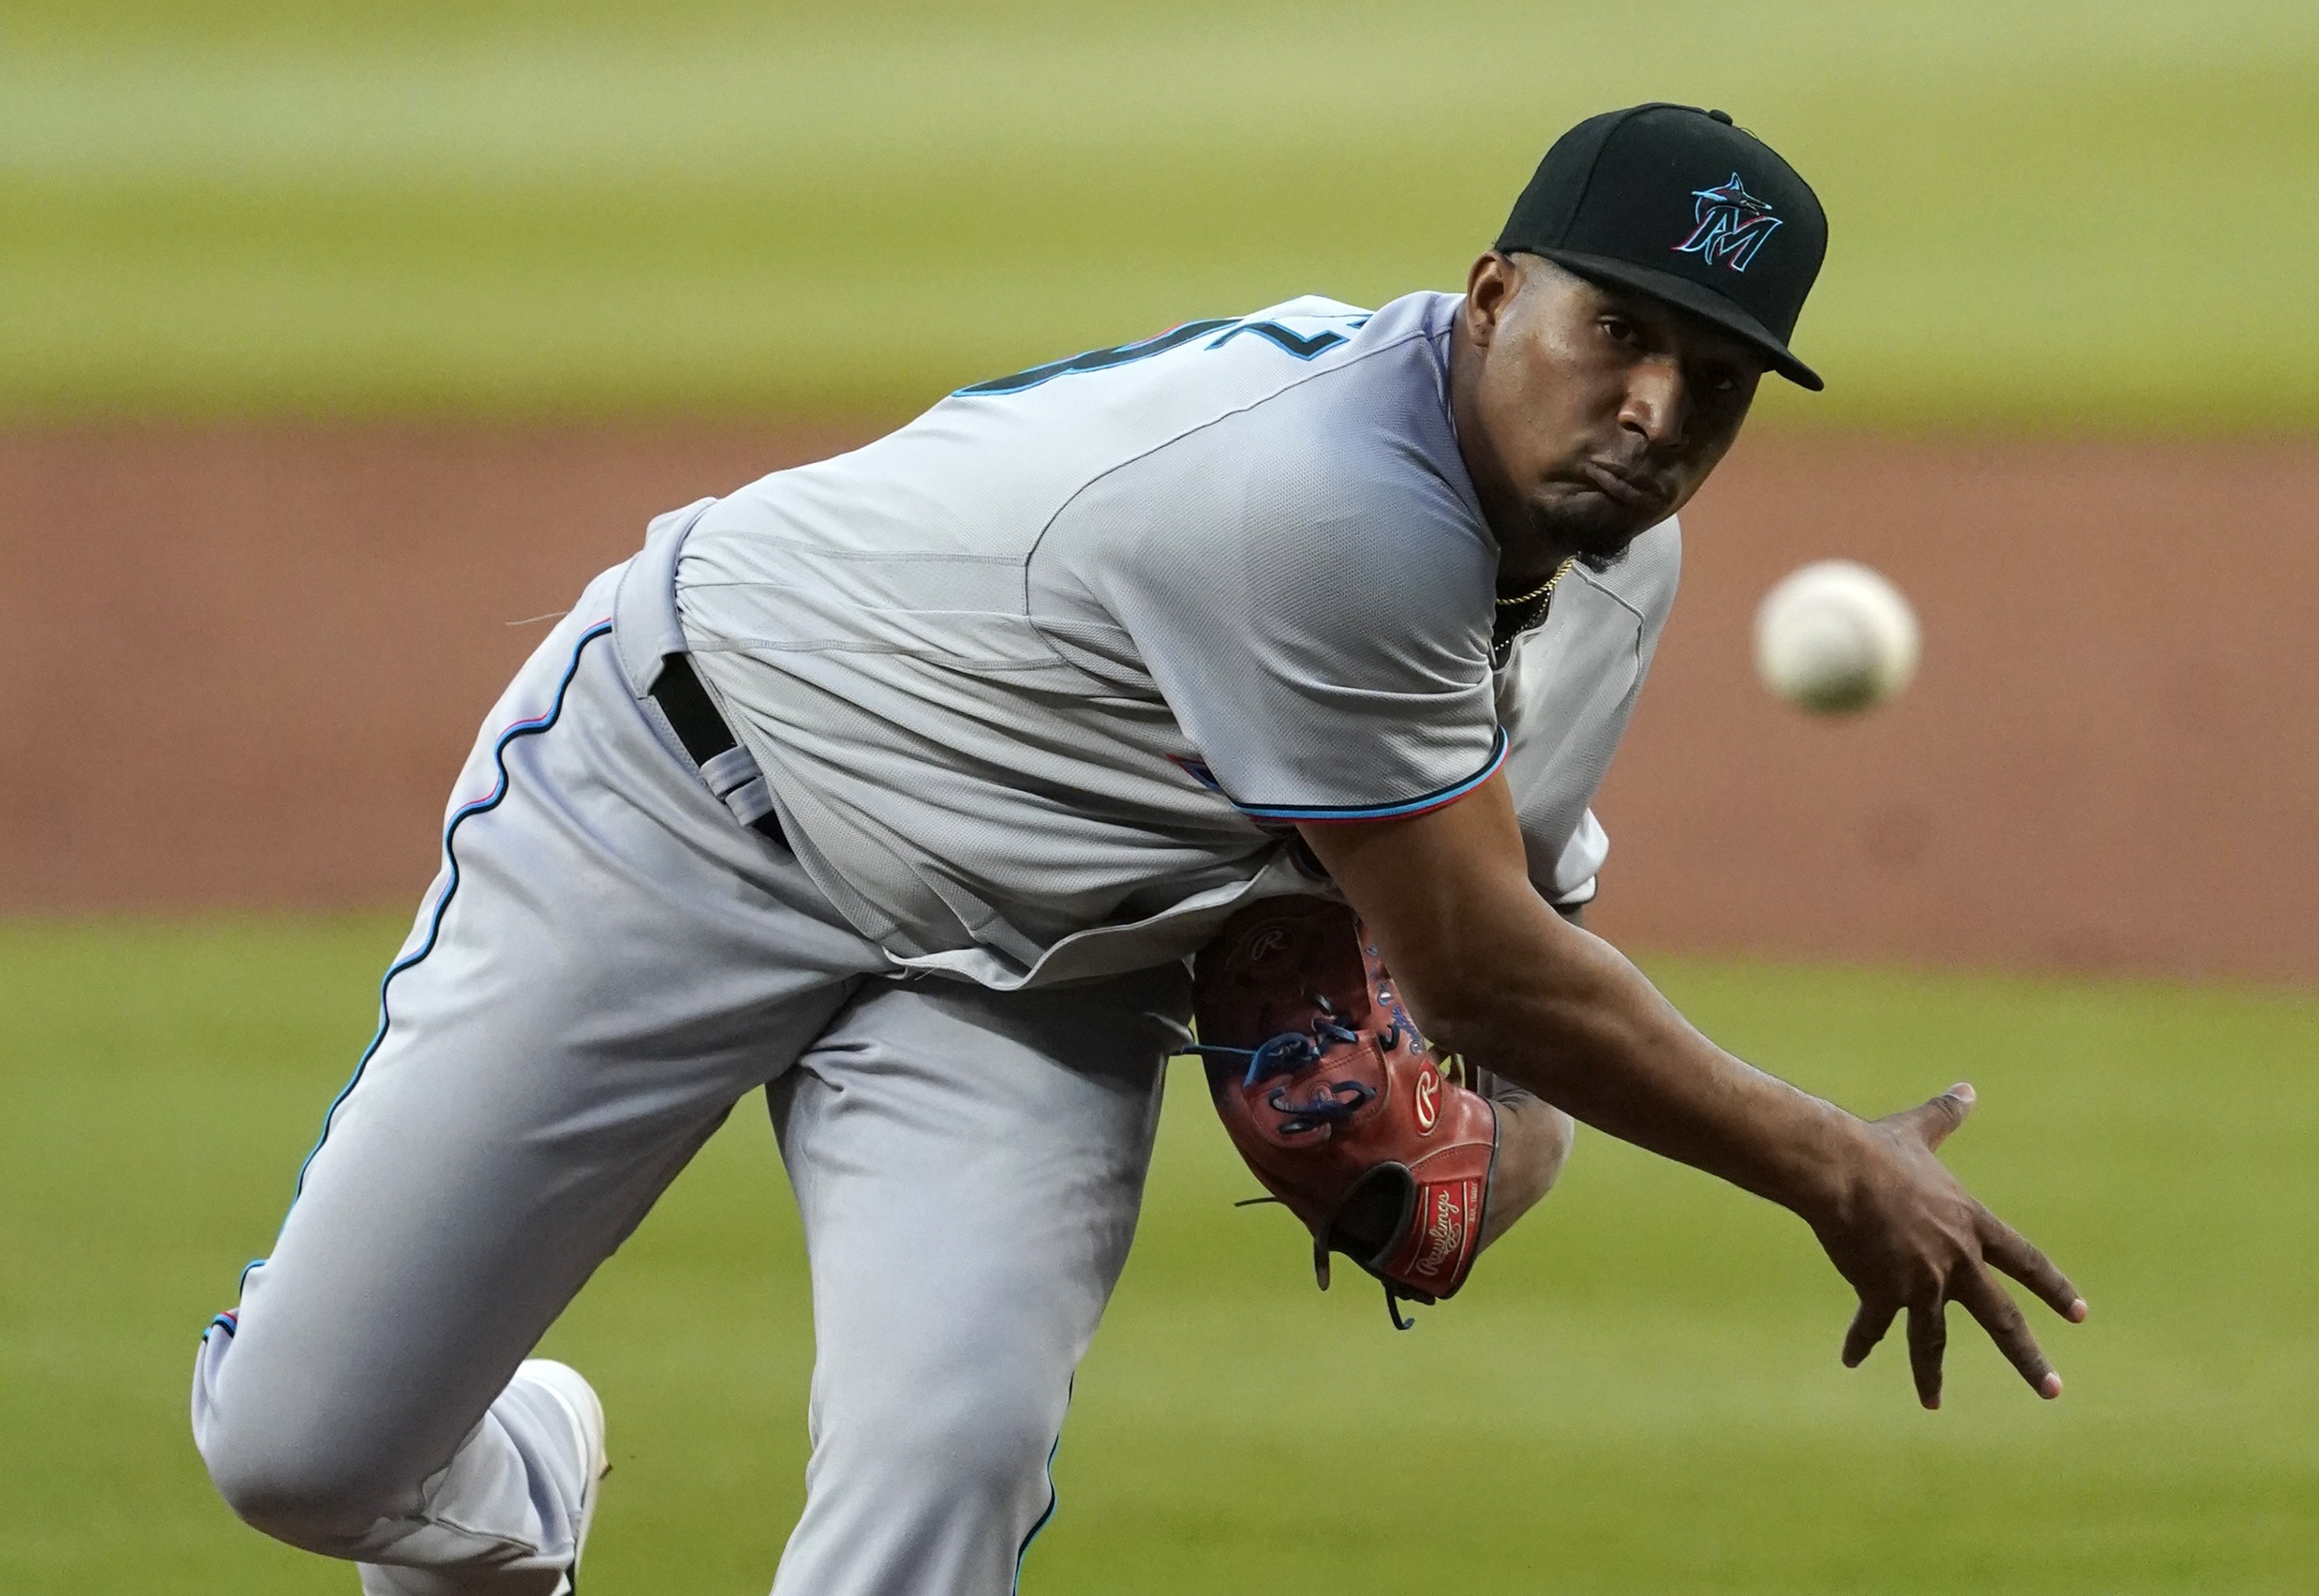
(1562, 1013)
(1494, 973)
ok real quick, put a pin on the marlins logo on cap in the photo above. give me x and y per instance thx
(1732, 225)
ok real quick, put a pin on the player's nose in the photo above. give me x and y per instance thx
(1659, 403)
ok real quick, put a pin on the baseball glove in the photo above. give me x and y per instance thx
(1339, 1107)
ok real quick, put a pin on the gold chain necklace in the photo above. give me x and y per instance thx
(1538, 592)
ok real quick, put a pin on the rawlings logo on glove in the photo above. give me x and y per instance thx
(1426, 1099)
(1336, 1102)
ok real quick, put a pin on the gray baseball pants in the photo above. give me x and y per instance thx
(606, 964)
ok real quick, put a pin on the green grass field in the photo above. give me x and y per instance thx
(2059, 218)
(1640, 1392)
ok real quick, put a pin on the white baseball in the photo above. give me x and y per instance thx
(1835, 638)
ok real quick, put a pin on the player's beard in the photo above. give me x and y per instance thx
(1597, 531)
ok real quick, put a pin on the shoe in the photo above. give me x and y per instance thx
(585, 1413)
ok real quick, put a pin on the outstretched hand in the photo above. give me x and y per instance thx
(1909, 1237)
(1505, 982)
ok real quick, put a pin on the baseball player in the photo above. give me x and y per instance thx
(905, 784)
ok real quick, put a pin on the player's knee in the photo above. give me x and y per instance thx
(297, 1485)
(989, 1445)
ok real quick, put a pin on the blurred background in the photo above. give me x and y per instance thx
(338, 345)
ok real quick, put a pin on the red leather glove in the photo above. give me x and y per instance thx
(1336, 1101)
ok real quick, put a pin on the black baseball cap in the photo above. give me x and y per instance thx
(1679, 203)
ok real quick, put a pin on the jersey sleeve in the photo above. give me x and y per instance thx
(1322, 642)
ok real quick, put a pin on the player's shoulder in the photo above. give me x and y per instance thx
(1361, 405)
(1309, 361)
(1331, 337)
(1312, 480)
(1070, 421)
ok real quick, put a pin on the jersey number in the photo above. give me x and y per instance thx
(1303, 347)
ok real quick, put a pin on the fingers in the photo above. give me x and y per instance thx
(1868, 1328)
(1934, 1119)
(2005, 1248)
(1986, 1301)
(1928, 1338)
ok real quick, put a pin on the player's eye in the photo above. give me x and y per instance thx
(1620, 331)
(1718, 378)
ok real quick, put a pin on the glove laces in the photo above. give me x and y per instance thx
(1291, 1052)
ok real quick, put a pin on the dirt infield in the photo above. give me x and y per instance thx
(239, 666)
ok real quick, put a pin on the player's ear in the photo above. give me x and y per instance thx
(1490, 285)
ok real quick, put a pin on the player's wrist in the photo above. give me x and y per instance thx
(1828, 1166)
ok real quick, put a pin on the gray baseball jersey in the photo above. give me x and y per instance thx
(1041, 683)
(1039, 686)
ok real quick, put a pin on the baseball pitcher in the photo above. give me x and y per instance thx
(1278, 656)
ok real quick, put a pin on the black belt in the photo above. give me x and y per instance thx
(693, 718)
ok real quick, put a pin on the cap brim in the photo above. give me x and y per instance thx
(1686, 295)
